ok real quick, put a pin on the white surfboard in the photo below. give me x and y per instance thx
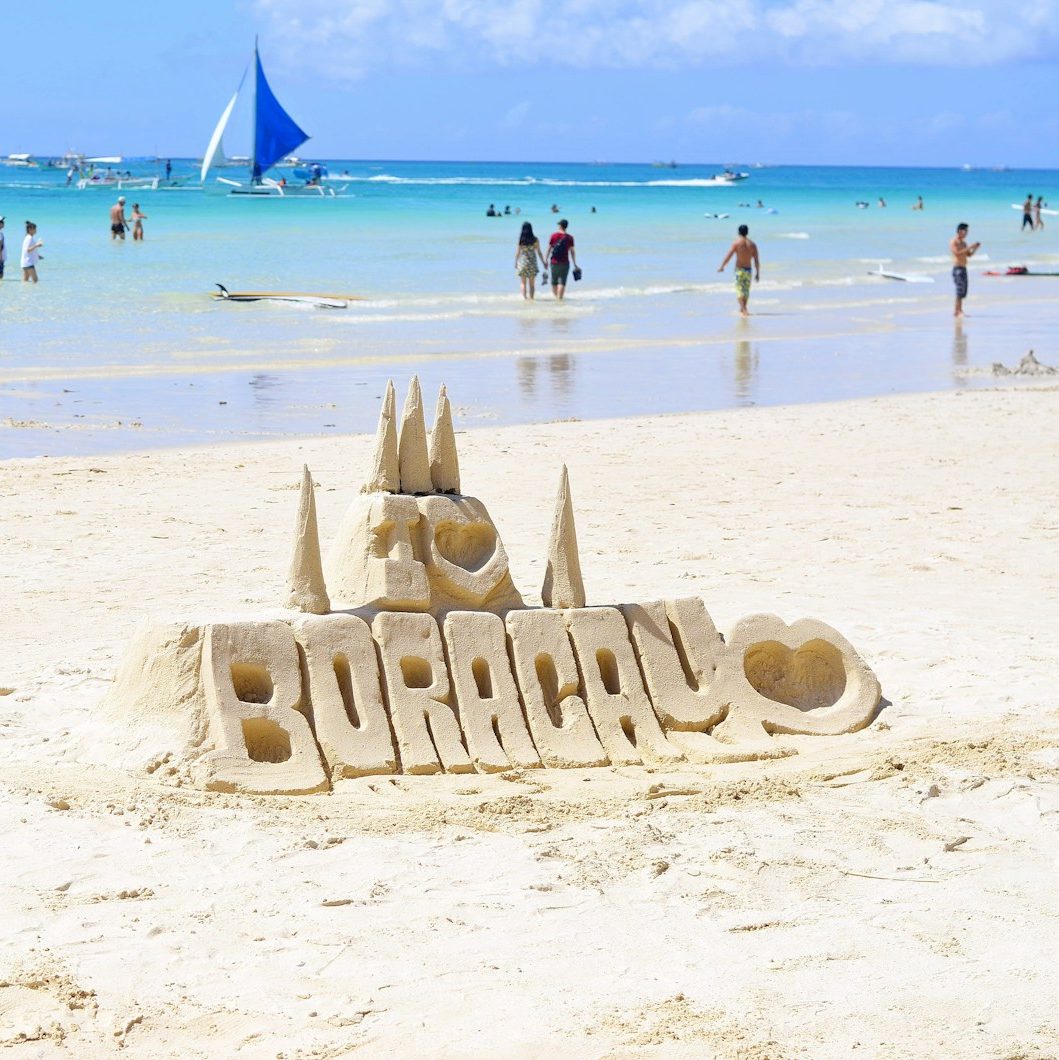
(904, 277)
(320, 301)
(1044, 209)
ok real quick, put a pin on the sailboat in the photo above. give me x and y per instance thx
(276, 134)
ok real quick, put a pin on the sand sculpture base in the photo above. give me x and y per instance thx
(417, 654)
(286, 707)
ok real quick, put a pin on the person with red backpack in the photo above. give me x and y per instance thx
(561, 254)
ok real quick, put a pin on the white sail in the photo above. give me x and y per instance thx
(218, 135)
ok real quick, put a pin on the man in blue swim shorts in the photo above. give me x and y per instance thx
(961, 252)
(744, 249)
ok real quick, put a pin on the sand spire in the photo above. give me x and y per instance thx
(385, 473)
(306, 578)
(444, 461)
(412, 444)
(563, 586)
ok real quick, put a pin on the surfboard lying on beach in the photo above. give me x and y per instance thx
(321, 301)
(1017, 270)
(909, 277)
(1044, 209)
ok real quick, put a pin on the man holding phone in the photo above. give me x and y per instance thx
(961, 252)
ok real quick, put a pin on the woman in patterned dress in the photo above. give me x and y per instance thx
(526, 254)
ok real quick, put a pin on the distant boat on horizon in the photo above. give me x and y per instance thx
(276, 135)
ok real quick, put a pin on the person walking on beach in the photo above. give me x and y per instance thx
(527, 252)
(918, 203)
(961, 252)
(30, 253)
(3, 248)
(744, 249)
(1038, 221)
(1027, 214)
(137, 222)
(118, 221)
(561, 253)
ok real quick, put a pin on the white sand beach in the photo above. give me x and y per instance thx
(889, 893)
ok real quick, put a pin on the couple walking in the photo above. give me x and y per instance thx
(560, 255)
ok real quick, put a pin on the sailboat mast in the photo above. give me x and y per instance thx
(255, 176)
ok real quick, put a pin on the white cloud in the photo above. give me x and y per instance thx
(348, 38)
(724, 119)
(516, 117)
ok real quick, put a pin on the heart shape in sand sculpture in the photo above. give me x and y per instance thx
(809, 677)
(804, 678)
(461, 549)
(468, 546)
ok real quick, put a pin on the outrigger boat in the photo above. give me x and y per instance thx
(276, 135)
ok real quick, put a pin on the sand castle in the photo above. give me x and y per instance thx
(410, 650)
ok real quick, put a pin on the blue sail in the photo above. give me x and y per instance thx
(276, 133)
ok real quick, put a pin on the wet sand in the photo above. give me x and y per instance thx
(683, 352)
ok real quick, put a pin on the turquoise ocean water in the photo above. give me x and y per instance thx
(121, 346)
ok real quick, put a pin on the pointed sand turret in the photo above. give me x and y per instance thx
(563, 586)
(306, 579)
(386, 471)
(444, 461)
(412, 444)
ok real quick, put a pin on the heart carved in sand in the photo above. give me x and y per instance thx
(466, 545)
(464, 556)
(809, 677)
(804, 678)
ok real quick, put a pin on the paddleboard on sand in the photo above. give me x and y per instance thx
(1018, 270)
(909, 277)
(1044, 209)
(321, 301)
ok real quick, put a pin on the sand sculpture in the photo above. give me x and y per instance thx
(410, 650)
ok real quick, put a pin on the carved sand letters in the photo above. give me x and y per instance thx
(411, 650)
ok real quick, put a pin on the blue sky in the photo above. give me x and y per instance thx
(798, 81)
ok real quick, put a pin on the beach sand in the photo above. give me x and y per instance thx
(889, 893)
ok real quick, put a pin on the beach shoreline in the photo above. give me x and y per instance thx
(569, 361)
(582, 910)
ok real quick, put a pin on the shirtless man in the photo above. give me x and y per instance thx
(1027, 214)
(745, 251)
(118, 221)
(961, 251)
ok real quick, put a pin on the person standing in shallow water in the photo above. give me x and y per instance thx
(118, 221)
(138, 217)
(961, 252)
(30, 253)
(747, 263)
(561, 251)
(527, 252)
(1027, 214)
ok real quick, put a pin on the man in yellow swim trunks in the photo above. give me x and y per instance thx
(744, 249)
